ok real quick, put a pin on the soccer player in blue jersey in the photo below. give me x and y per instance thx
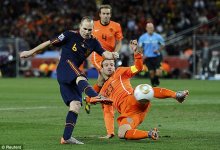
(152, 44)
(76, 47)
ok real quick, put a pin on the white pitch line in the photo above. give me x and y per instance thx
(26, 108)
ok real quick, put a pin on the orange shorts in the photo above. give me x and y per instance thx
(132, 112)
(96, 61)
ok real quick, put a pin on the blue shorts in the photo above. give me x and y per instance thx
(70, 92)
(67, 72)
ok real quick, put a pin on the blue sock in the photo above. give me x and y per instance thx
(85, 87)
(70, 124)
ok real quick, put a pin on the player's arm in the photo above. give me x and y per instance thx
(104, 53)
(159, 50)
(138, 57)
(118, 38)
(35, 50)
(131, 71)
(118, 45)
(110, 55)
(60, 40)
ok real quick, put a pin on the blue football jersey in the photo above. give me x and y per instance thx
(75, 49)
(151, 43)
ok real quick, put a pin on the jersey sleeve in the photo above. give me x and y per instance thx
(136, 68)
(98, 48)
(61, 39)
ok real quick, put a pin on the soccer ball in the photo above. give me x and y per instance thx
(143, 93)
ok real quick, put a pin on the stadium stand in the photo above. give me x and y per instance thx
(37, 21)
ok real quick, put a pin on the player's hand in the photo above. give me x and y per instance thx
(115, 55)
(26, 54)
(100, 99)
(133, 45)
(156, 51)
(110, 55)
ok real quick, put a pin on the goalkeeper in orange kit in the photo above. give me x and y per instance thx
(117, 87)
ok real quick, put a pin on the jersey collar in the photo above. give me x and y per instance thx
(104, 24)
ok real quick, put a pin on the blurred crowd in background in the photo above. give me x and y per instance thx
(39, 20)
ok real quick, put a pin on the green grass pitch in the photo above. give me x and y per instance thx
(32, 114)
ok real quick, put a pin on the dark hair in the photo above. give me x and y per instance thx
(105, 7)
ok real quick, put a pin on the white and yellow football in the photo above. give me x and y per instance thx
(143, 93)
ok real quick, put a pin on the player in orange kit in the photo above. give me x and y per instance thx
(117, 87)
(109, 34)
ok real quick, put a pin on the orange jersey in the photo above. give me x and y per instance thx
(107, 35)
(133, 110)
(118, 86)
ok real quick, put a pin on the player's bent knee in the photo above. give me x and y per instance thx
(79, 78)
(75, 106)
(122, 130)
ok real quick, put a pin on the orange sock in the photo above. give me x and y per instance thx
(96, 88)
(163, 93)
(135, 134)
(108, 114)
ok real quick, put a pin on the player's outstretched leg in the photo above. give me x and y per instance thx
(72, 140)
(109, 136)
(71, 120)
(87, 99)
(135, 134)
(153, 134)
(94, 100)
(162, 93)
(87, 105)
(84, 86)
(181, 95)
(125, 131)
(100, 99)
